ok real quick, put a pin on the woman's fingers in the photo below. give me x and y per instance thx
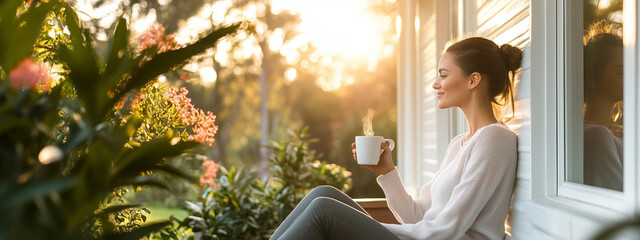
(384, 146)
(353, 150)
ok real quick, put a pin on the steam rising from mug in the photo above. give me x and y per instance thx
(367, 126)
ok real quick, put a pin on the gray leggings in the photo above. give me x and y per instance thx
(327, 213)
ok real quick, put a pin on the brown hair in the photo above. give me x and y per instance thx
(496, 64)
(599, 40)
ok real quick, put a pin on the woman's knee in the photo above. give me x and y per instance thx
(325, 191)
(323, 204)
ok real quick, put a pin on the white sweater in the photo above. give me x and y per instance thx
(602, 157)
(469, 196)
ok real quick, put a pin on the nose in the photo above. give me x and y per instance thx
(436, 84)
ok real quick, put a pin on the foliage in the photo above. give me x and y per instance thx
(244, 207)
(128, 219)
(167, 109)
(628, 228)
(61, 157)
(179, 230)
(236, 209)
(296, 171)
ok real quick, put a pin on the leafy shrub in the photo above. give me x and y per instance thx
(236, 209)
(244, 207)
(296, 171)
(62, 156)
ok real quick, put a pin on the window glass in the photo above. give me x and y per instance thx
(594, 98)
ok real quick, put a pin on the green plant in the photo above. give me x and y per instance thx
(628, 228)
(236, 209)
(61, 156)
(296, 171)
(244, 207)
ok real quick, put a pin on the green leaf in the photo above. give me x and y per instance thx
(163, 62)
(119, 45)
(139, 181)
(33, 190)
(112, 209)
(175, 172)
(193, 207)
(83, 65)
(25, 37)
(8, 9)
(612, 231)
(12, 124)
(148, 155)
(138, 233)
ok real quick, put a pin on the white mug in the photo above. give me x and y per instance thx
(369, 150)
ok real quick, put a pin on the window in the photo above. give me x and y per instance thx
(590, 107)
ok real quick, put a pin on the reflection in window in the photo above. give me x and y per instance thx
(603, 91)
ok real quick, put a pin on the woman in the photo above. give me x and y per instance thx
(603, 95)
(469, 196)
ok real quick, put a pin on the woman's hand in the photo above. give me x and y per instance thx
(385, 164)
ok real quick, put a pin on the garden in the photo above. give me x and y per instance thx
(116, 131)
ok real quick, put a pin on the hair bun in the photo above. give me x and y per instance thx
(512, 56)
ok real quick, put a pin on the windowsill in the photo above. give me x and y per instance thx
(378, 209)
(565, 218)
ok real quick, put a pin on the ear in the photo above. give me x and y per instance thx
(474, 80)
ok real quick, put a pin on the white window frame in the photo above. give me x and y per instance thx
(570, 95)
(562, 209)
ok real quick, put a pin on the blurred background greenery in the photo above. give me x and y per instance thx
(320, 64)
(103, 101)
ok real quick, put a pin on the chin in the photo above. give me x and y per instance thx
(443, 106)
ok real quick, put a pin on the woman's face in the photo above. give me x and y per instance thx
(451, 84)
(612, 81)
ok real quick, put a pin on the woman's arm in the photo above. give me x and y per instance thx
(491, 163)
(402, 205)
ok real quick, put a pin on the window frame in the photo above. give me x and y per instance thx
(574, 214)
(570, 66)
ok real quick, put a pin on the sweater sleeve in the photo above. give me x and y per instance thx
(402, 205)
(483, 172)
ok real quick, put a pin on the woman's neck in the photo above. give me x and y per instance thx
(478, 115)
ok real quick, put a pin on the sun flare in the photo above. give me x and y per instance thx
(346, 30)
(344, 34)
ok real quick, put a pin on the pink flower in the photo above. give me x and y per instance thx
(27, 74)
(204, 128)
(134, 102)
(210, 172)
(155, 37)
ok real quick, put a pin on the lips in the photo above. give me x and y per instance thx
(440, 94)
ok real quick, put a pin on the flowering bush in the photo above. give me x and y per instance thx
(63, 154)
(155, 38)
(169, 109)
(204, 128)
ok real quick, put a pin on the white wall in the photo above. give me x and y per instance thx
(509, 22)
(424, 130)
(429, 129)
(539, 210)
